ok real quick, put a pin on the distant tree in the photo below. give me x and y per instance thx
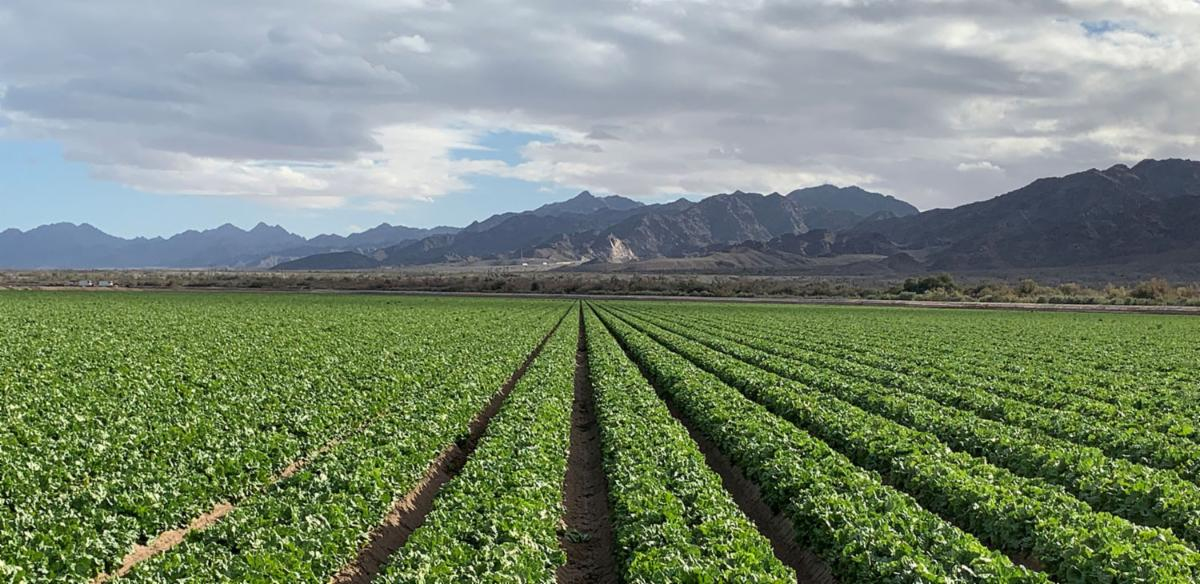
(1070, 289)
(1152, 289)
(944, 282)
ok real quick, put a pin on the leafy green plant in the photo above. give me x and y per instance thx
(128, 415)
(1141, 494)
(673, 520)
(498, 520)
(1004, 509)
(867, 531)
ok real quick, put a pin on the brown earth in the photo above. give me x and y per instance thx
(165, 541)
(587, 535)
(171, 538)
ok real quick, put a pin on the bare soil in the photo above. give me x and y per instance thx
(1027, 560)
(587, 535)
(410, 511)
(165, 541)
(171, 538)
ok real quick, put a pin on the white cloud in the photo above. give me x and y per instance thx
(979, 165)
(413, 42)
(664, 159)
(316, 103)
(646, 28)
(414, 163)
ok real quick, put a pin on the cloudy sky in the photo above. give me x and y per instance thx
(151, 116)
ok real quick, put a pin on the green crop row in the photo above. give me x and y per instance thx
(1133, 367)
(133, 414)
(673, 521)
(498, 520)
(1116, 439)
(1011, 512)
(962, 366)
(867, 531)
(901, 445)
(1073, 353)
(306, 528)
(1143, 495)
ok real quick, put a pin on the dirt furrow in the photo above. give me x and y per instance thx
(165, 541)
(587, 535)
(409, 512)
(169, 539)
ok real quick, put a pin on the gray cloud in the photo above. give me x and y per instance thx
(326, 103)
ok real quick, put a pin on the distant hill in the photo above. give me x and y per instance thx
(586, 203)
(59, 245)
(1143, 217)
(583, 228)
(738, 216)
(616, 229)
(338, 260)
(381, 236)
(853, 199)
(1149, 213)
(66, 245)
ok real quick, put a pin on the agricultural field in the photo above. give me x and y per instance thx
(333, 438)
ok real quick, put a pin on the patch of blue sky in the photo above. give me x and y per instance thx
(487, 196)
(1096, 28)
(502, 145)
(39, 186)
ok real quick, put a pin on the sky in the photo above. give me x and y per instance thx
(149, 117)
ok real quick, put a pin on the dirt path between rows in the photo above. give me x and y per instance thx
(774, 526)
(587, 535)
(166, 540)
(410, 511)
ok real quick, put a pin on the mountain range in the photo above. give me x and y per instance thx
(66, 245)
(615, 230)
(1145, 215)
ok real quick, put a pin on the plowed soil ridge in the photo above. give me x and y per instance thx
(409, 511)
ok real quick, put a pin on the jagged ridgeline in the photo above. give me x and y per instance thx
(1143, 216)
